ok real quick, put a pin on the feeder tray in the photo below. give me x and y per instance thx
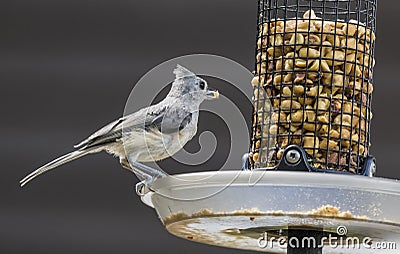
(235, 208)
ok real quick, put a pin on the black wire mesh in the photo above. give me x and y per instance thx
(314, 81)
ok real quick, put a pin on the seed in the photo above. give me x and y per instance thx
(325, 144)
(349, 29)
(314, 66)
(297, 39)
(310, 14)
(286, 91)
(309, 53)
(256, 157)
(350, 44)
(298, 90)
(301, 63)
(350, 61)
(338, 57)
(313, 40)
(311, 143)
(258, 144)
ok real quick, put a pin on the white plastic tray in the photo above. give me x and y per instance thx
(235, 208)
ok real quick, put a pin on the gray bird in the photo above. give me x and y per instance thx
(150, 134)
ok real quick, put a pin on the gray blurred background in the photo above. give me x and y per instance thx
(67, 68)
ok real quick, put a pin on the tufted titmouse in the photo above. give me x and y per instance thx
(150, 134)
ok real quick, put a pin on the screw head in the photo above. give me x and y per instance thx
(372, 170)
(293, 156)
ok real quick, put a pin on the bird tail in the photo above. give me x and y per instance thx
(58, 162)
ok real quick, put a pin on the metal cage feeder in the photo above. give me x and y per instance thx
(314, 83)
(309, 171)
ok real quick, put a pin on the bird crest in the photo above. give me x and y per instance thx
(181, 72)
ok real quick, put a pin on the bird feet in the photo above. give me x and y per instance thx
(143, 172)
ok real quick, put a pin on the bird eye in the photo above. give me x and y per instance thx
(202, 85)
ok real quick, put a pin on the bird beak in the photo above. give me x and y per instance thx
(212, 94)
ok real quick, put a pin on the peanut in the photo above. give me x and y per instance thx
(311, 127)
(298, 90)
(287, 104)
(338, 57)
(301, 63)
(349, 29)
(314, 66)
(310, 113)
(314, 91)
(286, 91)
(323, 104)
(296, 118)
(350, 61)
(326, 48)
(313, 40)
(278, 117)
(277, 40)
(311, 143)
(274, 51)
(350, 44)
(298, 40)
(256, 157)
(310, 14)
(258, 144)
(323, 131)
(309, 53)
(328, 144)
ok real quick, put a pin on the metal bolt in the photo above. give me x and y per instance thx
(372, 170)
(293, 156)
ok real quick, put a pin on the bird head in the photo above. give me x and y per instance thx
(190, 86)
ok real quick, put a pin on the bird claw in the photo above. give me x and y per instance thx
(141, 188)
(145, 173)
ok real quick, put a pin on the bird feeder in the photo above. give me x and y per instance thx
(309, 173)
(314, 85)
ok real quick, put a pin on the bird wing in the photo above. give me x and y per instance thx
(113, 131)
(173, 122)
(166, 117)
(104, 135)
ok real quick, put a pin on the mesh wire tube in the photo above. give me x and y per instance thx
(313, 82)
